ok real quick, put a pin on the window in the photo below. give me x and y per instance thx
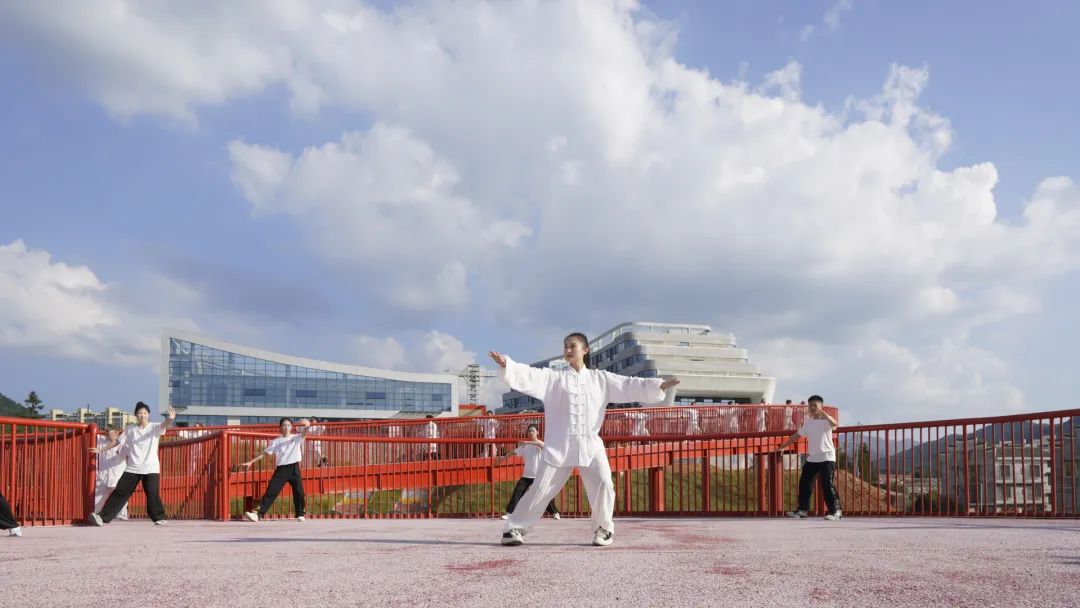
(306, 393)
(254, 392)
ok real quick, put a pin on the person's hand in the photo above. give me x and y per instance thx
(95, 450)
(172, 413)
(305, 422)
(669, 383)
(497, 358)
(246, 465)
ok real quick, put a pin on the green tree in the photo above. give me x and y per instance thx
(33, 405)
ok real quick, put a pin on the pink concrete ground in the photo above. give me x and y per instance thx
(654, 562)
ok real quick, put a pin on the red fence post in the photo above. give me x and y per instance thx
(91, 470)
(762, 495)
(656, 482)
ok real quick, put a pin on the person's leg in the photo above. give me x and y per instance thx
(601, 492)
(832, 499)
(151, 485)
(277, 481)
(7, 518)
(520, 488)
(101, 494)
(123, 514)
(297, 484)
(119, 497)
(806, 484)
(549, 482)
(551, 508)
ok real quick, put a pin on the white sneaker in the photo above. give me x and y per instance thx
(602, 538)
(252, 515)
(16, 531)
(556, 517)
(512, 538)
(835, 516)
(301, 519)
(95, 520)
(504, 516)
(796, 514)
(161, 522)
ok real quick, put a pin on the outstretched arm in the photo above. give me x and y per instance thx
(787, 442)
(624, 389)
(532, 381)
(253, 460)
(108, 446)
(307, 426)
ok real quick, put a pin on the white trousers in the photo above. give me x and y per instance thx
(101, 494)
(549, 481)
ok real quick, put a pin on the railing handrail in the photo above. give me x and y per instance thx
(37, 422)
(961, 421)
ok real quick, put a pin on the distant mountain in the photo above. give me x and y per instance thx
(12, 408)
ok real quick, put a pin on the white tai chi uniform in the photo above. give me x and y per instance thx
(639, 418)
(574, 410)
(491, 427)
(431, 431)
(111, 466)
(692, 425)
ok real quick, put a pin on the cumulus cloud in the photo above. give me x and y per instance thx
(555, 164)
(51, 307)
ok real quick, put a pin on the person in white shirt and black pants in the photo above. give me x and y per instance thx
(818, 428)
(288, 452)
(575, 404)
(139, 442)
(530, 450)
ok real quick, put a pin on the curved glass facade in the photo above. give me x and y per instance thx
(203, 376)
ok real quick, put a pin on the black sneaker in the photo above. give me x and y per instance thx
(796, 514)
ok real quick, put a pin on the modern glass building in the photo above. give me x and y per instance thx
(709, 365)
(214, 382)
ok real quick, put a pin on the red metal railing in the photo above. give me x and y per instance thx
(692, 420)
(1022, 465)
(47, 470)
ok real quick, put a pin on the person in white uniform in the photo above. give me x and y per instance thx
(818, 428)
(490, 427)
(111, 466)
(431, 431)
(575, 402)
(139, 443)
(288, 451)
(530, 451)
(639, 418)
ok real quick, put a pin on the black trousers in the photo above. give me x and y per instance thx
(286, 473)
(151, 485)
(7, 518)
(520, 488)
(810, 472)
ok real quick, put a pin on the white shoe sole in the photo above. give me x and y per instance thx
(251, 516)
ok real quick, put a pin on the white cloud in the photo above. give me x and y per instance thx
(832, 16)
(830, 21)
(385, 203)
(381, 353)
(554, 162)
(50, 307)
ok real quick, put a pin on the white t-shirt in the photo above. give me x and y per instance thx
(286, 450)
(141, 446)
(531, 454)
(819, 445)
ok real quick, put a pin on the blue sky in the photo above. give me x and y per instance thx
(139, 173)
